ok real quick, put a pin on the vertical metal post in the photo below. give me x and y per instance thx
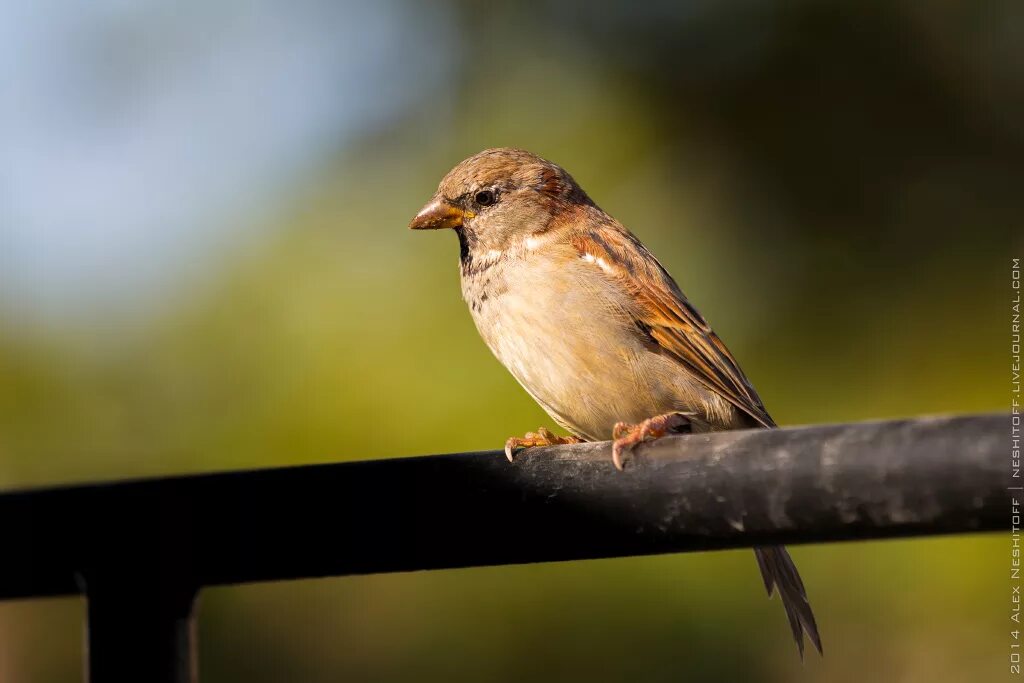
(140, 633)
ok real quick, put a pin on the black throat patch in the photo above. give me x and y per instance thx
(468, 244)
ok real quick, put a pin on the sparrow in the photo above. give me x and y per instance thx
(591, 325)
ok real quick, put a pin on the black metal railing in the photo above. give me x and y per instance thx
(141, 550)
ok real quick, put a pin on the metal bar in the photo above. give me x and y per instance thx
(137, 571)
(723, 490)
(140, 632)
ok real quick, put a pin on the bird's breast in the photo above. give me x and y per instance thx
(567, 335)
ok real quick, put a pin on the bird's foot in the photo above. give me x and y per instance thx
(542, 437)
(627, 436)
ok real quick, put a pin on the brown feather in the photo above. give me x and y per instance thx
(671, 321)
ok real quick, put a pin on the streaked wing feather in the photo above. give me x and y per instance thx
(669, 319)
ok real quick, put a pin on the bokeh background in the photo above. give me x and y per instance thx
(204, 264)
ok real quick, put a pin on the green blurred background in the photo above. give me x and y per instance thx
(204, 265)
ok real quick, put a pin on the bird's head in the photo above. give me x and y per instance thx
(498, 196)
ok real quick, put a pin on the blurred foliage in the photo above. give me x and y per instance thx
(835, 184)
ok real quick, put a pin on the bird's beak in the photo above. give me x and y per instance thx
(438, 214)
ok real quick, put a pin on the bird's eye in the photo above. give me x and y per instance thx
(484, 197)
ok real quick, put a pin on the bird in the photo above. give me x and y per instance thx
(592, 326)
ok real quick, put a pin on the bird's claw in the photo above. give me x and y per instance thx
(542, 437)
(627, 436)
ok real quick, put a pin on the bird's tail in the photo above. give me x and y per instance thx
(778, 570)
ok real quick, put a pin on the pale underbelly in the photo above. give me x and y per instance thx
(588, 367)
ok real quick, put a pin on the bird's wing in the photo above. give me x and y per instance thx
(664, 314)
